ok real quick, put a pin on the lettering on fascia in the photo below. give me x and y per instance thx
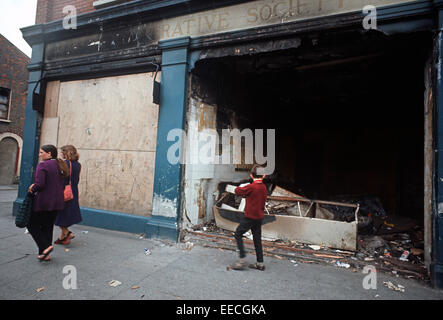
(258, 13)
(214, 22)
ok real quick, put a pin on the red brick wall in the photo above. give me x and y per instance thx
(14, 76)
(52, 10)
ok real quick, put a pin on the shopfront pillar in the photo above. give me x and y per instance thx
(31, 133)
(168, 189)
(437, 221)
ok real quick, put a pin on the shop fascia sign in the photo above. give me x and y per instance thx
(244, 16)
(259, 13)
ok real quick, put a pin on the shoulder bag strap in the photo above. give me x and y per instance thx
(70, 172)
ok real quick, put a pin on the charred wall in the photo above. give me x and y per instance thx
(347, 109)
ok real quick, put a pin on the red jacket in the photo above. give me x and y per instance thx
(256, 195)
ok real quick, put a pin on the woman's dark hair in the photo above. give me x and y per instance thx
(64, 169)
(49, 148)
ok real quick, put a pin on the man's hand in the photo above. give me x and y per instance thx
(30, 188)
(230, 188)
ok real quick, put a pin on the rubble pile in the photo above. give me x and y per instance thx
(369, 206)
(386, 252)
(392, 244)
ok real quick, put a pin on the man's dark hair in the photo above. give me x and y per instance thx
(253, 171)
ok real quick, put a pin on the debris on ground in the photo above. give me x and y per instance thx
(135, 287)
(114, 283)
(383, 251)
(371, 244)
(147, 251)
(404, 256)
(342, 265)
(394, 244)
(394, 287)
(205, 227)
(40, 289)
(188, 246)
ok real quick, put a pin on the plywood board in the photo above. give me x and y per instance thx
(51, 99)
(113, 123)
(49, 133)
(49, 130)
(119, 181)
(114, 113)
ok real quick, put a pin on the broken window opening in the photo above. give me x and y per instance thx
(5, 94)
(349, 117)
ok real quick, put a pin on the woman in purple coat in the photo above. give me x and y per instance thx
(71, 213)
(48, 199)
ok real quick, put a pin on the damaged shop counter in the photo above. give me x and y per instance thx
(290, 217)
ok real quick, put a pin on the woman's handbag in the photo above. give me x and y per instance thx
(68, 195)
(24, 211)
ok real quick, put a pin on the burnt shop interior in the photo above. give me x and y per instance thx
(347, 107)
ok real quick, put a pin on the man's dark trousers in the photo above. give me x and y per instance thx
(254, 225)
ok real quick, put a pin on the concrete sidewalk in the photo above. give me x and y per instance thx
(169, 272)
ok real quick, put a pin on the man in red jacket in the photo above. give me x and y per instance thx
(256, 195)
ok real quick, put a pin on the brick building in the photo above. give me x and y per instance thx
(49, 10)
(13, 92)
(355, 109)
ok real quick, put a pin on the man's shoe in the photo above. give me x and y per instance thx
(240, 265)
(258, 266)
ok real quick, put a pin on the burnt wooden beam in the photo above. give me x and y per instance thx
(338, 62)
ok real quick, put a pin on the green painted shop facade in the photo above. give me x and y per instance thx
(197, 44)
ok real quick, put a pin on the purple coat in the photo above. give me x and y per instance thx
(48, 187)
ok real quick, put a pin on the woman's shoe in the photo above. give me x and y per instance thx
(70, 235)
(60, 241)
(45, 254)
(66, 241)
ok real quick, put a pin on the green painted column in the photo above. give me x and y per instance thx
(168, 189)
(31, 134)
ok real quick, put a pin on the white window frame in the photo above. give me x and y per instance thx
(9, 106)
(105, 3)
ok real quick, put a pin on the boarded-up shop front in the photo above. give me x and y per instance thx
(113, 124)
(352, 105)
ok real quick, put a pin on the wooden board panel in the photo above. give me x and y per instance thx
(51, 99)
(114, 113)
(113, 123)
(49, 133)
(117, 181)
